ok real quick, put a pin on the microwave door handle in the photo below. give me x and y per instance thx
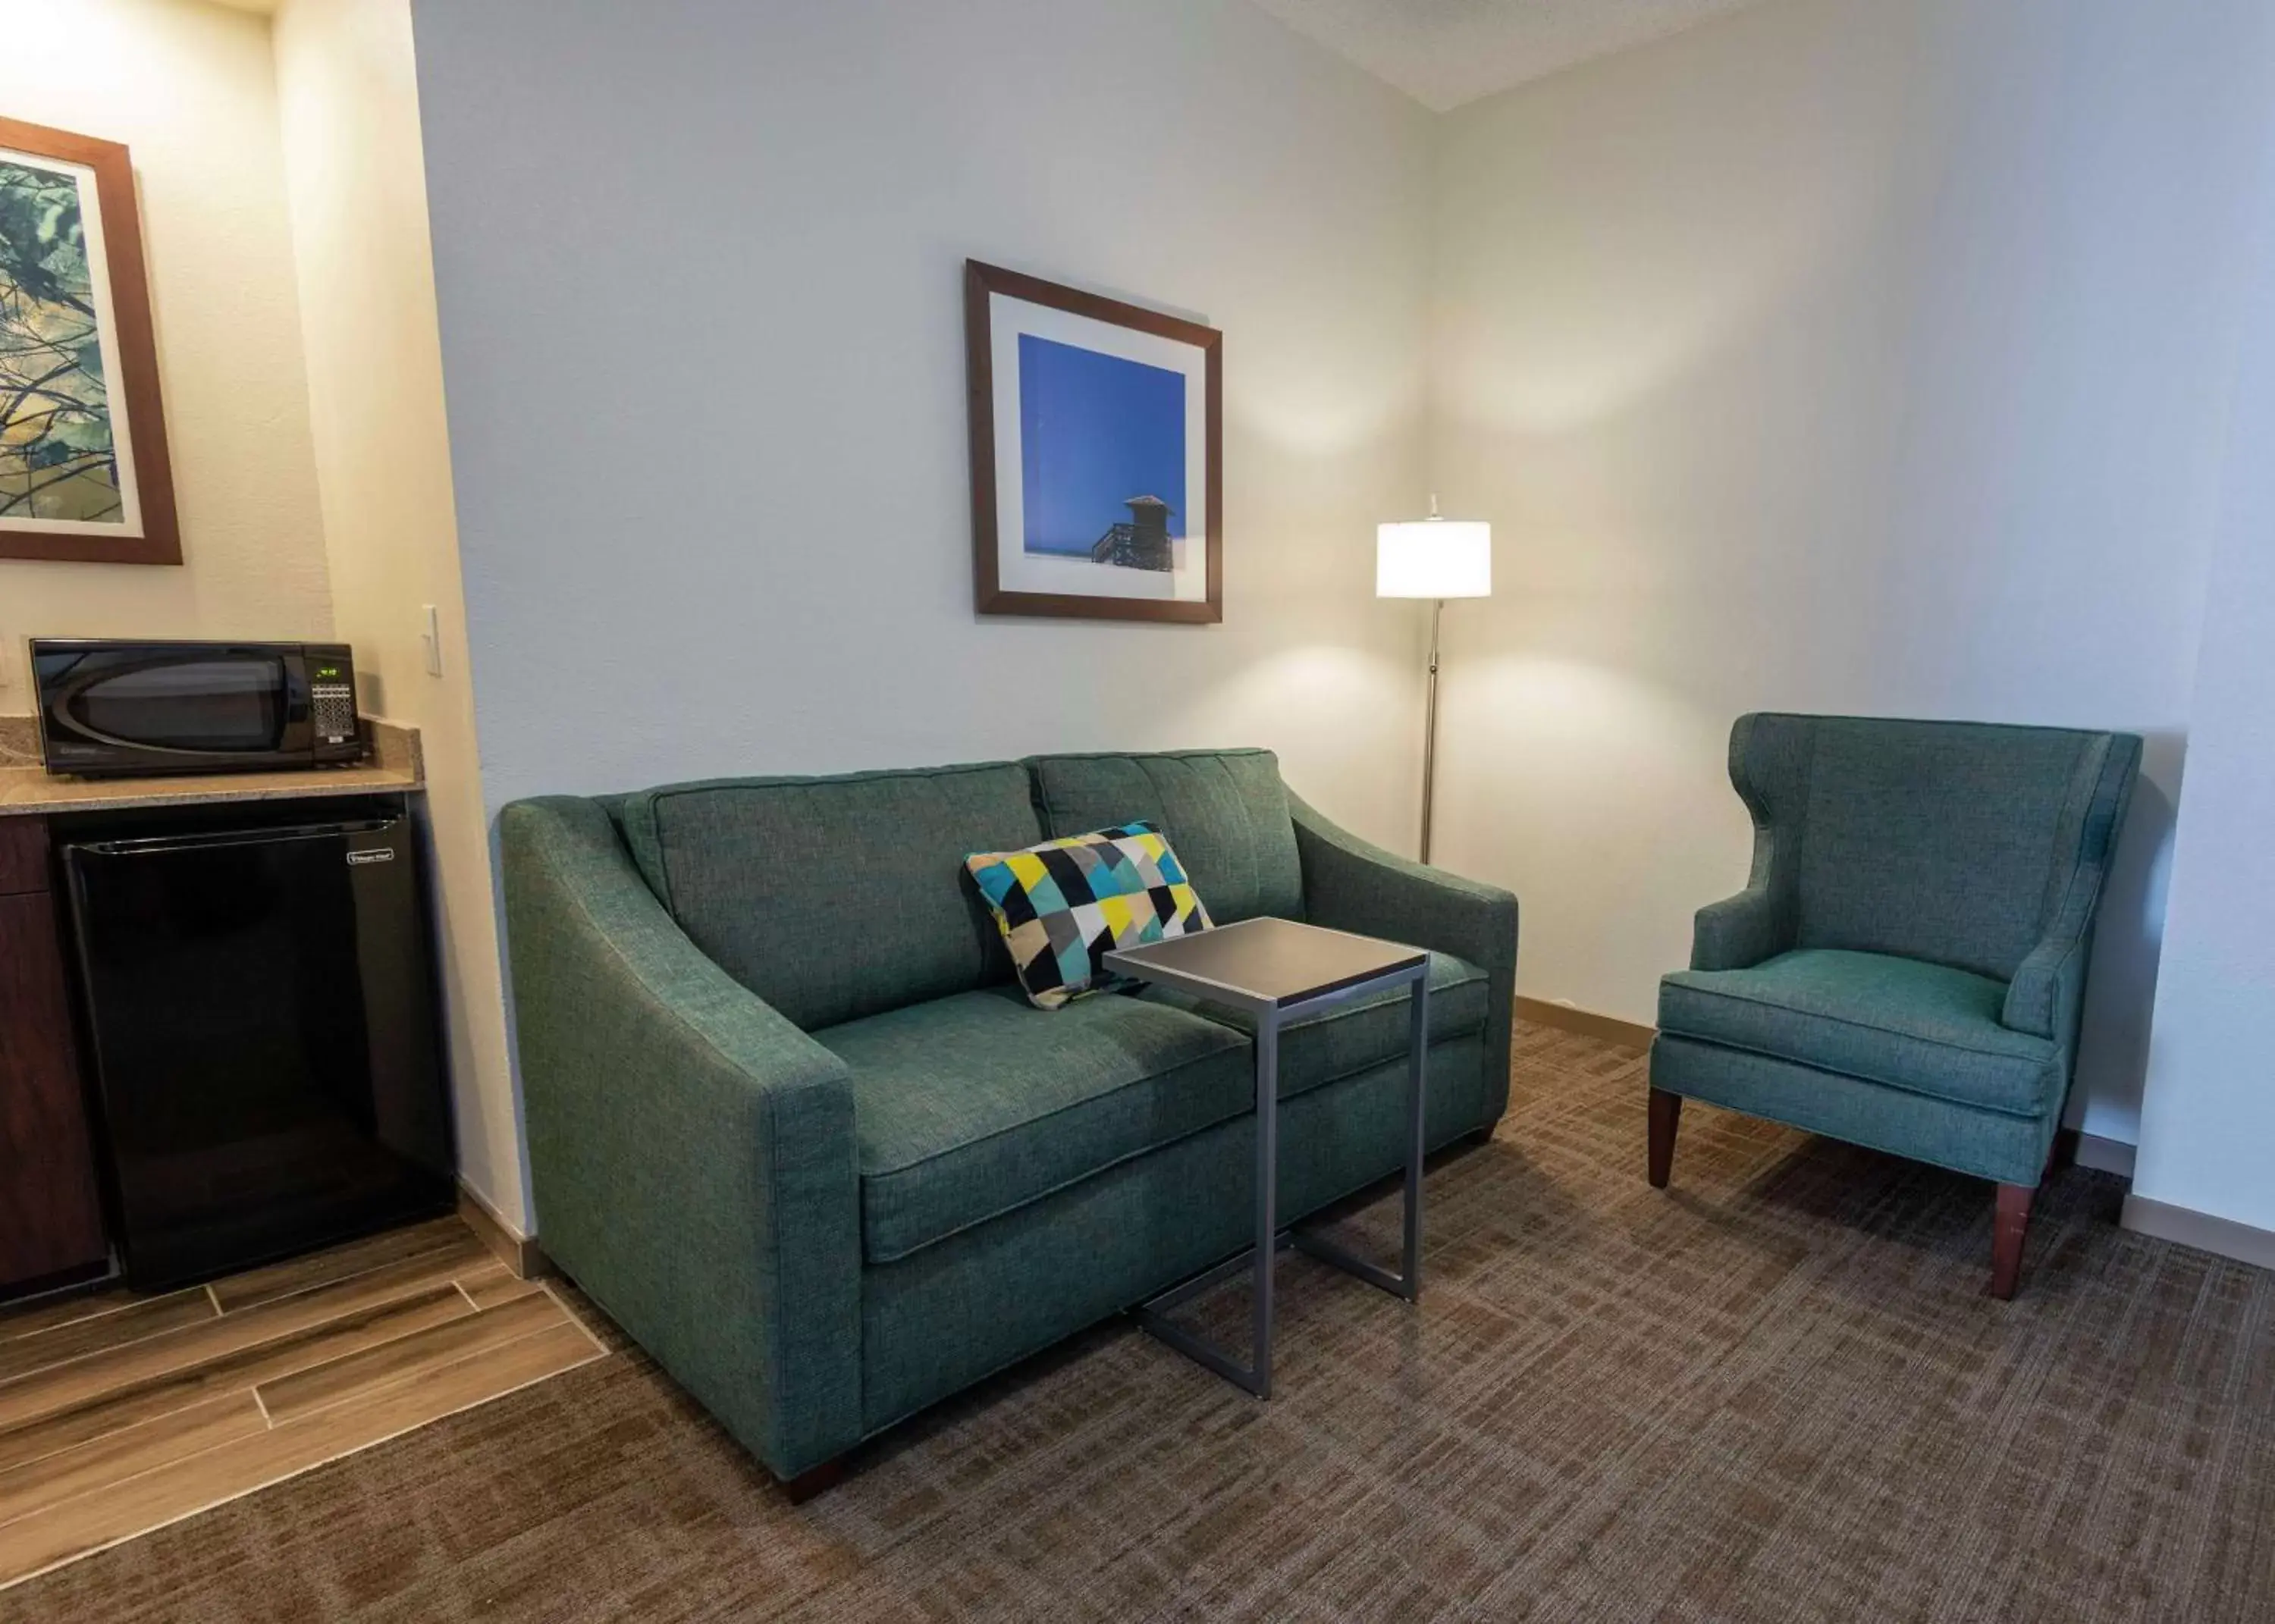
(300, 732)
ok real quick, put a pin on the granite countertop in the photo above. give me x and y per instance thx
(25, 787)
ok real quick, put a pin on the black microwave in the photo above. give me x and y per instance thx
(117, 709)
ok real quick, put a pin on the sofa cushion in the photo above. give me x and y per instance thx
(833, 898)
(971, 1105)
(1913, 1025)
(1345, 1039)
(1225, 811)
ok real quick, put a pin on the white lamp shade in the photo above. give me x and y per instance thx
(1434, 558)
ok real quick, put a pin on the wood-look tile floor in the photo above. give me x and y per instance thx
(120, 1413)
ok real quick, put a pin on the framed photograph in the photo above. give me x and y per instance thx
(83, 469)
(1096, 454)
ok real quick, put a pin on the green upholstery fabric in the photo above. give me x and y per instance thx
(1991, 1145)
(969, 1105)
(713, 1174)
(1910, 1025)
(693, 1153)
(1907, 964)
(942, 1318)
(1225, 811)
(1926, 840)
(2048, 987)
(1367, 1032)
(832, 898)
(1349, 885)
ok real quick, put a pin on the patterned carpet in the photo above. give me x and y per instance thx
(1774, 1393)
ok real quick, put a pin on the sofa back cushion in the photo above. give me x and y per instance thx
(1940, 841)
(1225, 811)
(833, 898)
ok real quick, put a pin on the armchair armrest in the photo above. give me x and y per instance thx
(692, 1151)
(1740, 931)
(1770, 762)
(2048, 990)
(2047, 993)
(1353, 885)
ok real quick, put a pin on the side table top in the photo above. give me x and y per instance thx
(1267, 961)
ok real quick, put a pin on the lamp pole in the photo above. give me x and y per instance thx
(1435, 558)
(1430, 727)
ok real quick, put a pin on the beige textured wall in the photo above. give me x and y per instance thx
(2209, 1115)
(1835, 356)
(191, 88)
(349, 99)
(706, 361)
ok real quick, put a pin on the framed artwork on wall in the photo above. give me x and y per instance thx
(84, 474)
(1096, 454)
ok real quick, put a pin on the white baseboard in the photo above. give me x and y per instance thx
(2201, 1231)
(2104, 1155)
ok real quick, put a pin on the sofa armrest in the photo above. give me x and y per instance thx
(1739, 932)
(692, 1151)
(1350, 885)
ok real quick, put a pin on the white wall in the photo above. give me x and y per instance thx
(699, 267)
(2208, 1122)
(1837, 355)
(349, 102)
(189, 87)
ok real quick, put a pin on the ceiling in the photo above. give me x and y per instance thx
(1446, 52)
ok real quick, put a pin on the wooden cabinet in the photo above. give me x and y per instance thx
(50, 1213)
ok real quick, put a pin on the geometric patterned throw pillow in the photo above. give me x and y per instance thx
(1064, 904)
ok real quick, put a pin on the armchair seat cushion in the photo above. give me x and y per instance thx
(969, 1106)
(1926, 1028)
(1344, 1039)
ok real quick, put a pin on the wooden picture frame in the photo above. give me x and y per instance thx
(74, 287)
(1142, 399)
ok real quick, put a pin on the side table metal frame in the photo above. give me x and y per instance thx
(1258, 1258)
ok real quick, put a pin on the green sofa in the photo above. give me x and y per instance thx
(793, 1125)
(1906, 966)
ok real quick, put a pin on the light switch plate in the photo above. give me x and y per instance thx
(431, 639)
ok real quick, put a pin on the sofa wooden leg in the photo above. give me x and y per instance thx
(2011, 1224)
(1666, 1115)
(806, 1484)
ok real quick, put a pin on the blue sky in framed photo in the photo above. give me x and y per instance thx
(1094, 431)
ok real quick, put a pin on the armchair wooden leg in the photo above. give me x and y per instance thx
(2011, 1224)
(806, 1484)
(1666, 1115)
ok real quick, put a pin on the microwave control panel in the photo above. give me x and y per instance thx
(335, 711)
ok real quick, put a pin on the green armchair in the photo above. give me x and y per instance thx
(1906, 965)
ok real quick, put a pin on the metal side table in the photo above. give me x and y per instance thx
(1277, 971)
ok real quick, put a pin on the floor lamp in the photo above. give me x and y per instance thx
(1434, 558)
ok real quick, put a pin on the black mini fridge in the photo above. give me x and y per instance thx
(259, 1010)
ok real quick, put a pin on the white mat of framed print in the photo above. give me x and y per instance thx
(1097, 449)
(84, 474)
